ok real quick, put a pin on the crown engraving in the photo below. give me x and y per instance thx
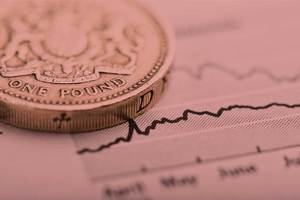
(68, 44)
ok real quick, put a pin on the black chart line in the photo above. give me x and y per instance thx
(197, 161)
(202, 68)
(133, 127)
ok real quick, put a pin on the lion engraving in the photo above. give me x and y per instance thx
(61, 43)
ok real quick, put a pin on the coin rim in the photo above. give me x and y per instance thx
(158, 72)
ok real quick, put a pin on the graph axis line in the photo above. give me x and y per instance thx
(194, 163)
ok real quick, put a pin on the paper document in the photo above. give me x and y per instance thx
(227, 126)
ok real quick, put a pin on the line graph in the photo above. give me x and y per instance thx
(254, 71)
(133, 127)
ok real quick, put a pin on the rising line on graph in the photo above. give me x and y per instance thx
(202, 68)
(133, 127)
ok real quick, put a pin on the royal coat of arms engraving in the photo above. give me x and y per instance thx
(62, 43)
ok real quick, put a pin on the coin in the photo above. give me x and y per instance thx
(76, 66)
